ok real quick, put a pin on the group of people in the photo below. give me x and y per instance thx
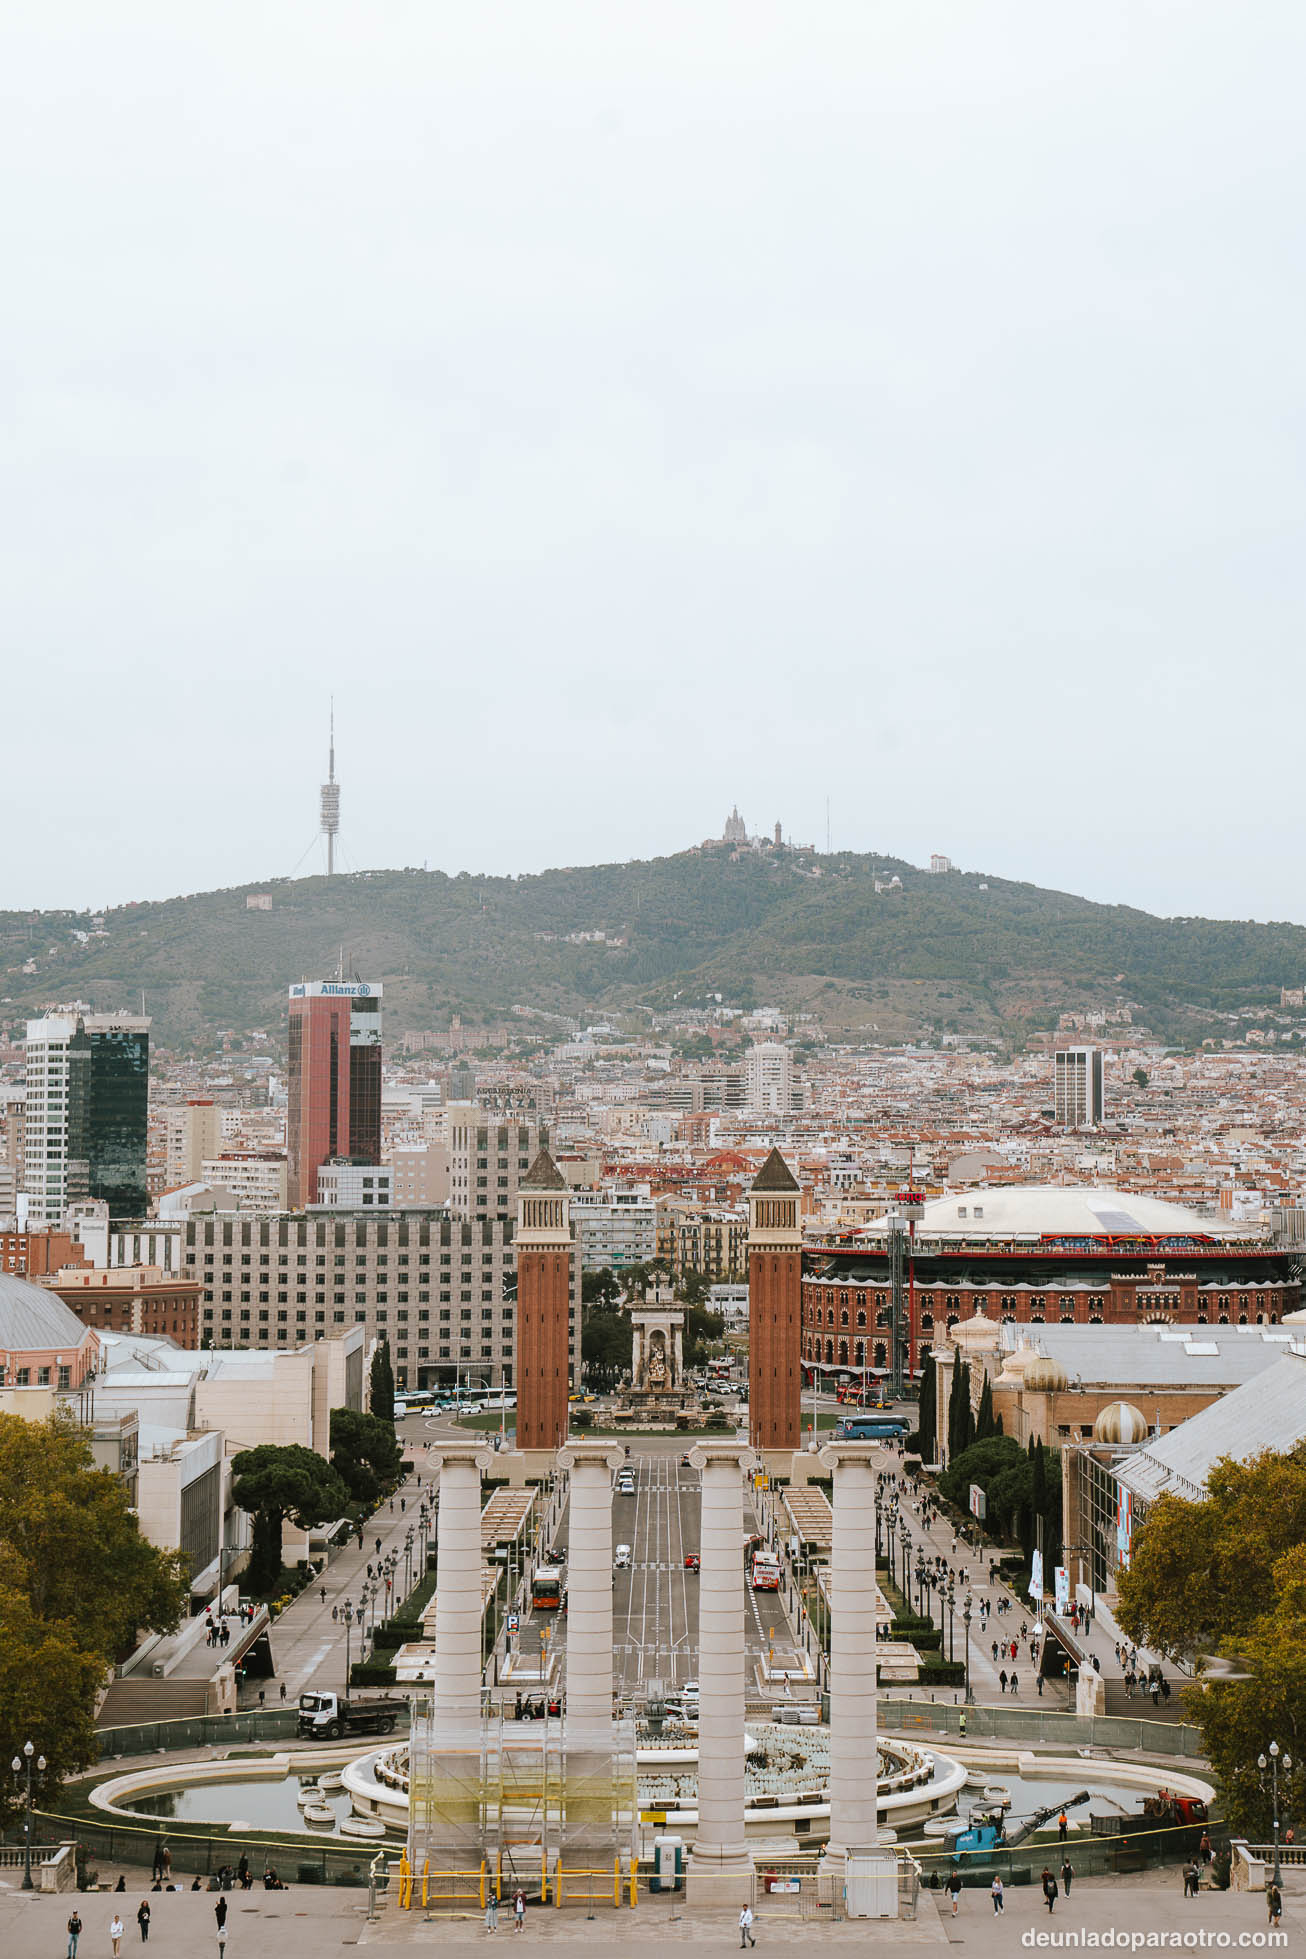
(518, 1912)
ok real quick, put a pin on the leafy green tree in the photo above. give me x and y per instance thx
(703, 1332)
(73, 1544)
(365, 1453)
(599, 1288)
(1239, 1718)
(1202, 1573)
(961, 1419)
(276, 1481)
(1140, 1075)
(78, 1584)
(1001, 1468)
(606, 1343)
(692, 1286)
(381, 1387)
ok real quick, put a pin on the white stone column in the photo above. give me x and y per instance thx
(854, 1820)
(637, 1357)
(589, 1590)
(720, 1863)
(457, 1692)
(679, 1343)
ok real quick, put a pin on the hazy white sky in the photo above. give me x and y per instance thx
(628, 410)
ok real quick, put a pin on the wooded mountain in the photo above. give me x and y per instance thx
(960, 953)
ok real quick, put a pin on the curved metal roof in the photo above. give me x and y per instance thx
(31, 1317)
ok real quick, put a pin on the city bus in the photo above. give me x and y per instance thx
(766, 1571)
(548, 1593)
(872, 1428)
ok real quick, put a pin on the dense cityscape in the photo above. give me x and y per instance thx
(652, 981)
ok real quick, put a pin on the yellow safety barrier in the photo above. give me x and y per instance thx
(465, 1887)
(634, 1879)
(483, 1884)
(567, 1886)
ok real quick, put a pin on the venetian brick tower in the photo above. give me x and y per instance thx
(775, 1293)
(544, 1255)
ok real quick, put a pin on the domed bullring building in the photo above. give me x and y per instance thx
(43, 1344)
(1036, 1254)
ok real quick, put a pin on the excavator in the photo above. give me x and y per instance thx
(986, 1828)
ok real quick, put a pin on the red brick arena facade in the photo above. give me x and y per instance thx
(1037, 1255)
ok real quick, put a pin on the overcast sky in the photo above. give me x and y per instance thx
(628, 410)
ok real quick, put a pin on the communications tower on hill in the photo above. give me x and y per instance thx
(330, 823)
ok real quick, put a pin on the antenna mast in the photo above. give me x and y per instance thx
(330, 802)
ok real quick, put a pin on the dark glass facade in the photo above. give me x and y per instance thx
(117, 1118)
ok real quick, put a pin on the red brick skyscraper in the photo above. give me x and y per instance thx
(544, 1255)
(775, 1298)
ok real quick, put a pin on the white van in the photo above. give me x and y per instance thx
(621, 1558)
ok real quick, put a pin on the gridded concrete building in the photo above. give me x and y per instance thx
(440, 1290)
(487, 1161)
(1078, 1095)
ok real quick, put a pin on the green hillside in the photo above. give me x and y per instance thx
(960, 953)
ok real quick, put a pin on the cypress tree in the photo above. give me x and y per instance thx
(381, 1388)
(927, 1426)
(985, 1425)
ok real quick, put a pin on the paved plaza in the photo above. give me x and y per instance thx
(310, 1921)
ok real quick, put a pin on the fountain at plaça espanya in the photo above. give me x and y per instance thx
(786, 1781)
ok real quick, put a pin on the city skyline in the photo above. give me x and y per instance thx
(598, 430)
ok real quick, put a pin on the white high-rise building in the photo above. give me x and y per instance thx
(769, 1078)
(1078, 1097)
(56, 1081)
(86, 1120)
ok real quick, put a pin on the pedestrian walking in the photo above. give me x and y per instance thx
(1014, 1682)
(1274, 1903)
(283, 1690)
(954, 1885)
(1002, 1680)
(143, 1919)
(1049, 1889)
(156, 1866)
(220, 1912)
(996, 1893)
(746, 1927)
(519, 1912)
(115, 1935)
(1204, 1847)
(74, 1933)
(1040, 1686)
(1067, 1876)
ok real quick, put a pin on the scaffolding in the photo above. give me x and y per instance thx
(513, 1797)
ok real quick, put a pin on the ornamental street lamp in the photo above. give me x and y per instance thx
(950, 1599)
(966, 1611)
(1261, 1763)
(347, 1614)
(19, 1763)
(408, 1562)
(904, 1538)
